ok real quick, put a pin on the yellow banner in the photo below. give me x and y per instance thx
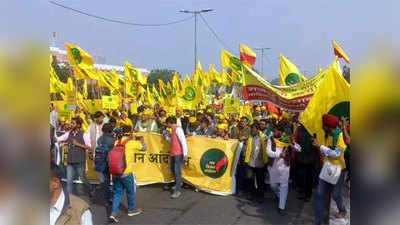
(110, 102)
(232, 105)
(208, 166)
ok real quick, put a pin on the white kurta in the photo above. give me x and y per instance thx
(279, 172)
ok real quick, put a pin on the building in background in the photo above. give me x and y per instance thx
(62, 59)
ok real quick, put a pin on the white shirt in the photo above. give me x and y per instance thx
(182, 139)
(279, 172)
(54, 118)
(55, 212)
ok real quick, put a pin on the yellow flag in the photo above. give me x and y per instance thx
(233, 63)
(245, 110)
(216, 77)
(78, 57)
(191, 97)
(331, 97)
(134, 74)
(288, 72)
(149, 97)
(226, 78)
(247, 55)
(339, 52)
(85, 91)
(82, 73)
(177, 84)
(131, 89)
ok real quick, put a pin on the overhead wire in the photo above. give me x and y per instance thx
(119, 21)
(215, 34)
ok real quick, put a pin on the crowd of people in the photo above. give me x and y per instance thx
(275, 149)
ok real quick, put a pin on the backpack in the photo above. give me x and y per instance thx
(100, 156)
(117, 161)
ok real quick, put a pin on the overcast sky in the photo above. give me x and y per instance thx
(301, 30)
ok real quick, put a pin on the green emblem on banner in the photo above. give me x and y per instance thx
(190, 94)
(235, 63)
(292, 78)
(77, 55)
(214, 163)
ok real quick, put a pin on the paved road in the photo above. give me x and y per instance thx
(202, 208)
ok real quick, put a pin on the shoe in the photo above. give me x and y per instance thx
(113, 219)
(306, 199)
(341, 215)
(196, 190)
(166, 187)
(301, 197)
(282, 212)
(176, 194)
(186, 186)
(135, 212)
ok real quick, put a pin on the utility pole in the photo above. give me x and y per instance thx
(262, 57)
(195, 13)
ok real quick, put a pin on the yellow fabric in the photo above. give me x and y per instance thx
(285, 68)
(280, 144)
(340, 143)
(340, 51)
(233, 63)
(247, 51)
(192, 119)
(125, 121)
(78, 57)
(133, 74)
(222, 126)
(334, 89)
(131, 148)
(249, 148)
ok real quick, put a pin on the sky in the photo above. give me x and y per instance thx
(300, 30)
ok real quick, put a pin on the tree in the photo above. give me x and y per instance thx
(159, 74)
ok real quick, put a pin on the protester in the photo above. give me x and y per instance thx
(95, 131)
(205, 129)
(66, 208)
(305, 161)
(278, 151)
(104, 145)
(222, 131)
(78, 144)
(123, 119)
(146, 123)
(178, 153)
(255, 159)
(333, 152)
(127, 180)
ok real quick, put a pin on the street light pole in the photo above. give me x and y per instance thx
(195, 13)
(262, 57)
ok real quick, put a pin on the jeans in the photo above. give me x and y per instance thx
(258, 173)
(106, 184)
(78, 168)
(281, 191)
(121, 183)
(322, 188)
(176, 167)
